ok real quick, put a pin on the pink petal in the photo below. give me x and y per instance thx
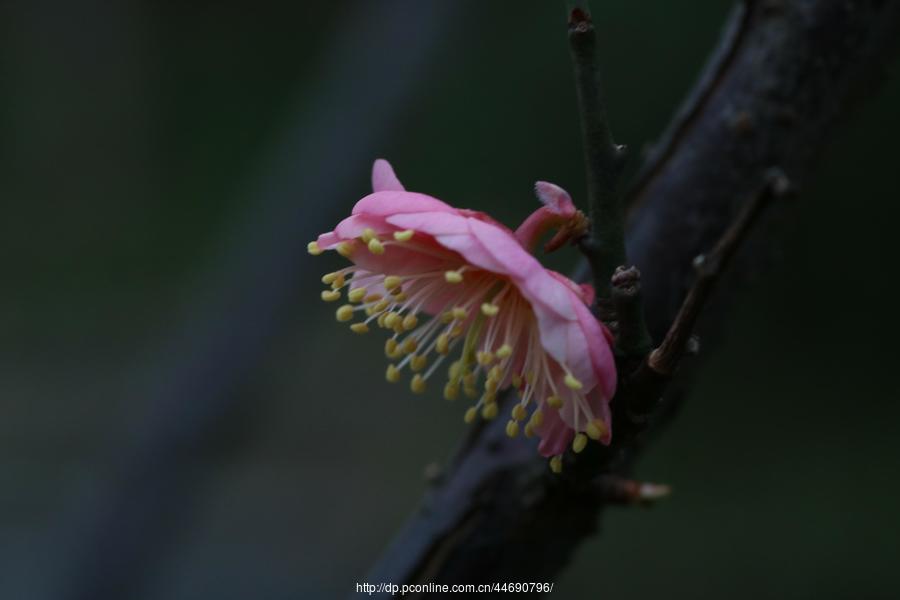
(383, 177)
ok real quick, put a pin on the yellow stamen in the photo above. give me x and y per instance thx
(556, 464)
(417, 384)
(489, 411)
(381, 305)
(391, 319)
(446, 317)
(390, 348)
(489, 310)
(410, 321)
(404, 236)
(356, 294)
(579, 443)
(453, 276)
(313, 248)
(537, 418)
(489, 397)
(505, 351)
(529, 430)
(596, 429)
(491, 385)
(517, 380)
(375, 246)
(392, 282)
(409, 345)
(572, 383)
(328, 278)
(330, 295)
(512, 429)
(398, 295)
(555, 402)
(519, 412)
(496, 373)
(373, 298)
(442, 346)
(455, 370)
(451, 391)
(381, 319)
(471, 414)
(338, 282)
(344, 313)
(459, 313)
(367, 234)
(359, 328)
(469, 379)
(484, 358)
(392, 374)
(417, 362)
(470, 392)
(345, 248)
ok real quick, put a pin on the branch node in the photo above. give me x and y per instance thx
(632, 337)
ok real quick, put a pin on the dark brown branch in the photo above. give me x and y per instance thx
(666, 357)
(498, 513)
(632, 337)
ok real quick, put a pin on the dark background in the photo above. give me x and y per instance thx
(180, 417)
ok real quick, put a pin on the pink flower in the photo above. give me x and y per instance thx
(452, 282)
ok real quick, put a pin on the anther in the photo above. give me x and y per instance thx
(391, 319)
(555, 402)
(410, 321)
(596, 429)
(330, 295)
(356, 294)
(328, 278)
(367, 234)
(496, 373)
(471, 414)
(451, 391)
(375, 246)
(382, 305)
(372, 298)
(392, 282)
(392, 374)
(404, 236)
(453, 276)
(409, 345)
(529, 430)
(579, 443)
(572, 382)
(489, 411)
(338, 282)
(519, 412)
(390, 348)
(345, 248)
(442, 346)
(505, 351)
(344, 313)
(418, 362)
(359, 328)
(556, 464)
(489, 310)
(537, 418)
(512, 429)
(417, 384)
(313, 248)
(459, 313)
(484, 358)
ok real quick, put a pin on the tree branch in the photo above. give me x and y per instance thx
(498, 514)
(604, 246)
(665, 358)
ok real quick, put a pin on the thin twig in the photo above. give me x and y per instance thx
(709, 268)
(604, 246)
(632, 337)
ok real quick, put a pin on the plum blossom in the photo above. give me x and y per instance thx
(461, 293)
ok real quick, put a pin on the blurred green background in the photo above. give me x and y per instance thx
(181, 418)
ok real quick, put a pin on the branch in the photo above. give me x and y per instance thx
(497, 514)
(604, 246)
(666, 357)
